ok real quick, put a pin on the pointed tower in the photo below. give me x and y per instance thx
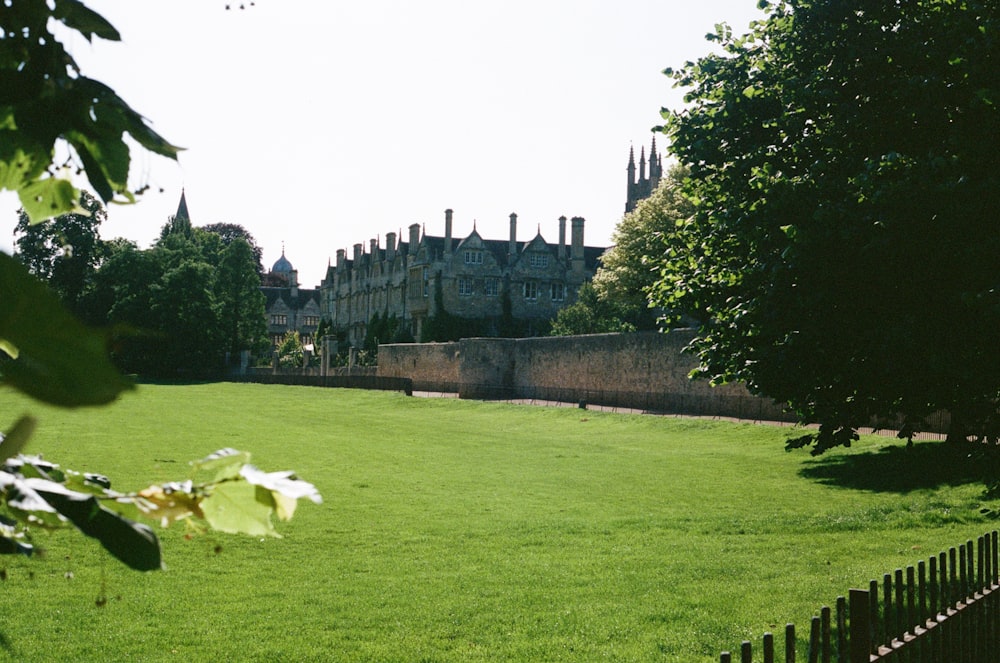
(631, 196)
(642, 187)
(182, 208)
(655, 167)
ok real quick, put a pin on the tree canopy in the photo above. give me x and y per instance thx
(592, 314)
(844, 169)
(66, 252)
(630, 268)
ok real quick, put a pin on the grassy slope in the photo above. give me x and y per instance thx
(457, 531)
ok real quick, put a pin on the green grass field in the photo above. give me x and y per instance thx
(465, 531)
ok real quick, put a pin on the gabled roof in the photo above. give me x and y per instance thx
(272, 295)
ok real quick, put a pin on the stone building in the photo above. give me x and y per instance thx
(287, 306)
(471, 277)
(645, 184)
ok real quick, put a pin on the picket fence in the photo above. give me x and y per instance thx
(946, 610)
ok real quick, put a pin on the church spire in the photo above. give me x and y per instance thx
(182, 208)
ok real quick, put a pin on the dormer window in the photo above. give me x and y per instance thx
(473, 257)
(538, 259)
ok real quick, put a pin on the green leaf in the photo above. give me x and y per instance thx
(239, 507)
(286, 489)
(60, 361)
(133, 543)
(223, 464)
(49, 197)
(10, 543)
(17, 437)
(76, 15)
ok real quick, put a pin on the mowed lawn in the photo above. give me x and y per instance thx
(466, 531)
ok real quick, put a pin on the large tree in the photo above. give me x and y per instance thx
(843, 256)
(631, 267)
(66, 252)
(230, 232)
(241, 302)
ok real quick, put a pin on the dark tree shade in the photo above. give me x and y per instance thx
(843, 258)
(65, 252)
(229, 232)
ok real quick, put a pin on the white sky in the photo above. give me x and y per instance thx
(321, 123)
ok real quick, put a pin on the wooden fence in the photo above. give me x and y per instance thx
(946, 610)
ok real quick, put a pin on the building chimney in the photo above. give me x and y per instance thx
(374, 249)
(414, 238)
(561, 251)
(512, 248)
(358, 249)
(390, 246)
(341, 259)
(577, 244)
(447, 230)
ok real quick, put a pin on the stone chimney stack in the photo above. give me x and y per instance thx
(561, 251)
(414, 238)
(373, 250)
(447, 231)
(512, 248)
(293, 280)
(577, 244)
(390, 247)
(341, 259)
(358, 250)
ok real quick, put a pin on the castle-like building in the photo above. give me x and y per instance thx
(645, 184)
(469, 277)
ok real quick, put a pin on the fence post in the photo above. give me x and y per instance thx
(861, 639)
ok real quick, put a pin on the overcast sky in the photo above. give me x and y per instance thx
(319, 124)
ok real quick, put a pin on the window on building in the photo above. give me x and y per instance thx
(473, 257)
(491, 288)
(558, 292)
(415, 283)
(312, 321)
(426, 278)
(464, 287)
(531, 290)
(538, 259)
(279, 319)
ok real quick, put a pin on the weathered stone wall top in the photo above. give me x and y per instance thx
(431, 366)
(626, 368)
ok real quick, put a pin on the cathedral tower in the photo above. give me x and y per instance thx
(643, 186)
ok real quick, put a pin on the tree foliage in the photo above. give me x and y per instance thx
(181, 305)
(631, 267)
(241, 303)
(45, 351)
(46, 102)
(592, 314)
(844, 166)
(290, 350)
(232, 232)
(66, 252)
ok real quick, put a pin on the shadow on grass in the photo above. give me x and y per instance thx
(898, 469)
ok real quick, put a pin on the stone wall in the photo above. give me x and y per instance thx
(431, 366)
(644, 371)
